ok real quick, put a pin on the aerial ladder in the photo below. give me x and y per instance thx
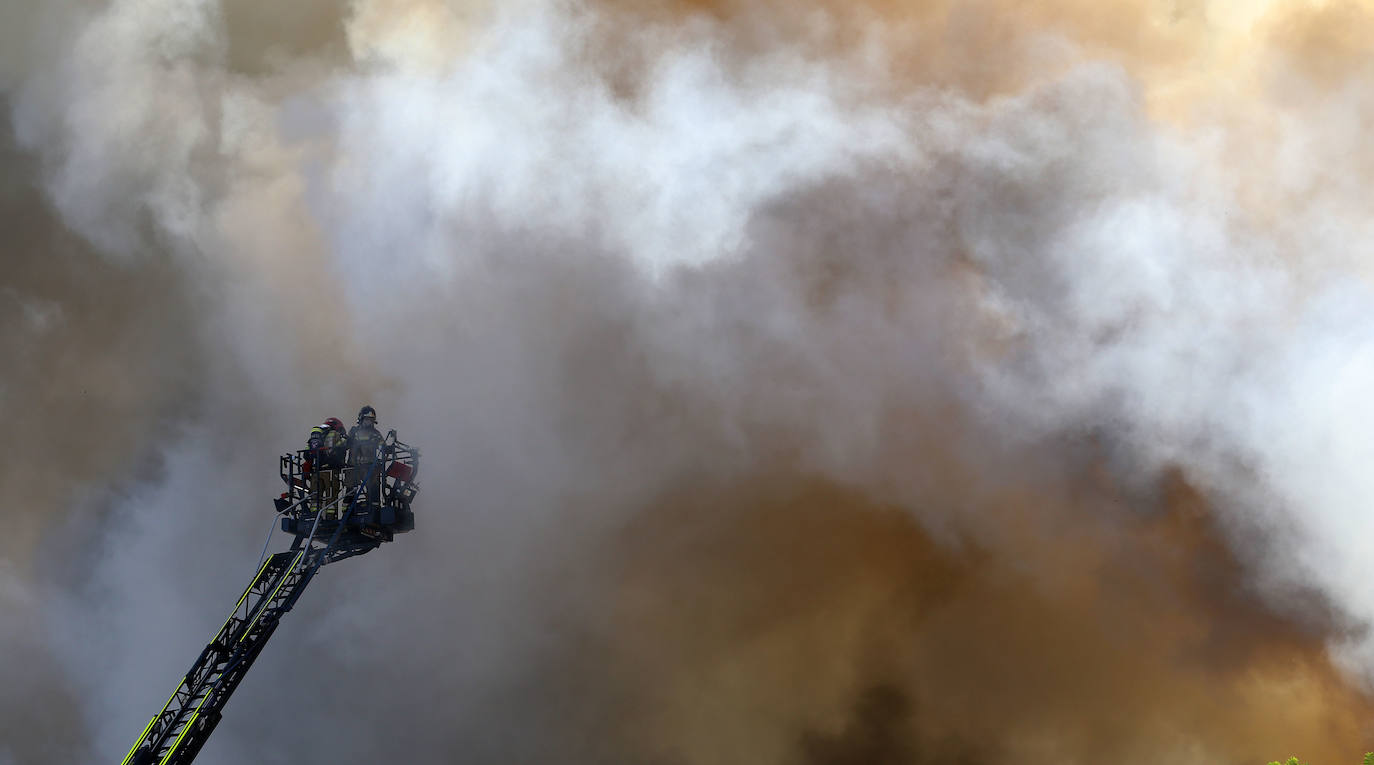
(333, 515)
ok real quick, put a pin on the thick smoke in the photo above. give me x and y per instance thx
(808, 384)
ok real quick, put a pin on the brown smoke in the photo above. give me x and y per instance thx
(98, 364)
(982, 49)
(98, 359)
(808, 384)
(787, 620)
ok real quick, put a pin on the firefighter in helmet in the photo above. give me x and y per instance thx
(328, 447)
(363, 442)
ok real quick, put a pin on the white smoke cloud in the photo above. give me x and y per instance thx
(571, 298)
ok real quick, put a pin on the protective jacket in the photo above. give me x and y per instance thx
(328, 446)
(362, 444)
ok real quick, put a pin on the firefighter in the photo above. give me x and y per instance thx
(363, 440)
(335, 451)
(328, 452)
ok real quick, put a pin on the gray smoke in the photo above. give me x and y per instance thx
(928, 385)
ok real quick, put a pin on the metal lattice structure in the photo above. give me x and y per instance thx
(358, 519)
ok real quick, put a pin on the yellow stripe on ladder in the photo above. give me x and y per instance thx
(186, 729)
(268, 600)
(128, 757)
(251, 585)
(144, 734)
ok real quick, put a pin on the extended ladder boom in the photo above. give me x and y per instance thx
(374, 508)
(176, 734)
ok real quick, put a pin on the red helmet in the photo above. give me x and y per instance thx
(335, 423)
